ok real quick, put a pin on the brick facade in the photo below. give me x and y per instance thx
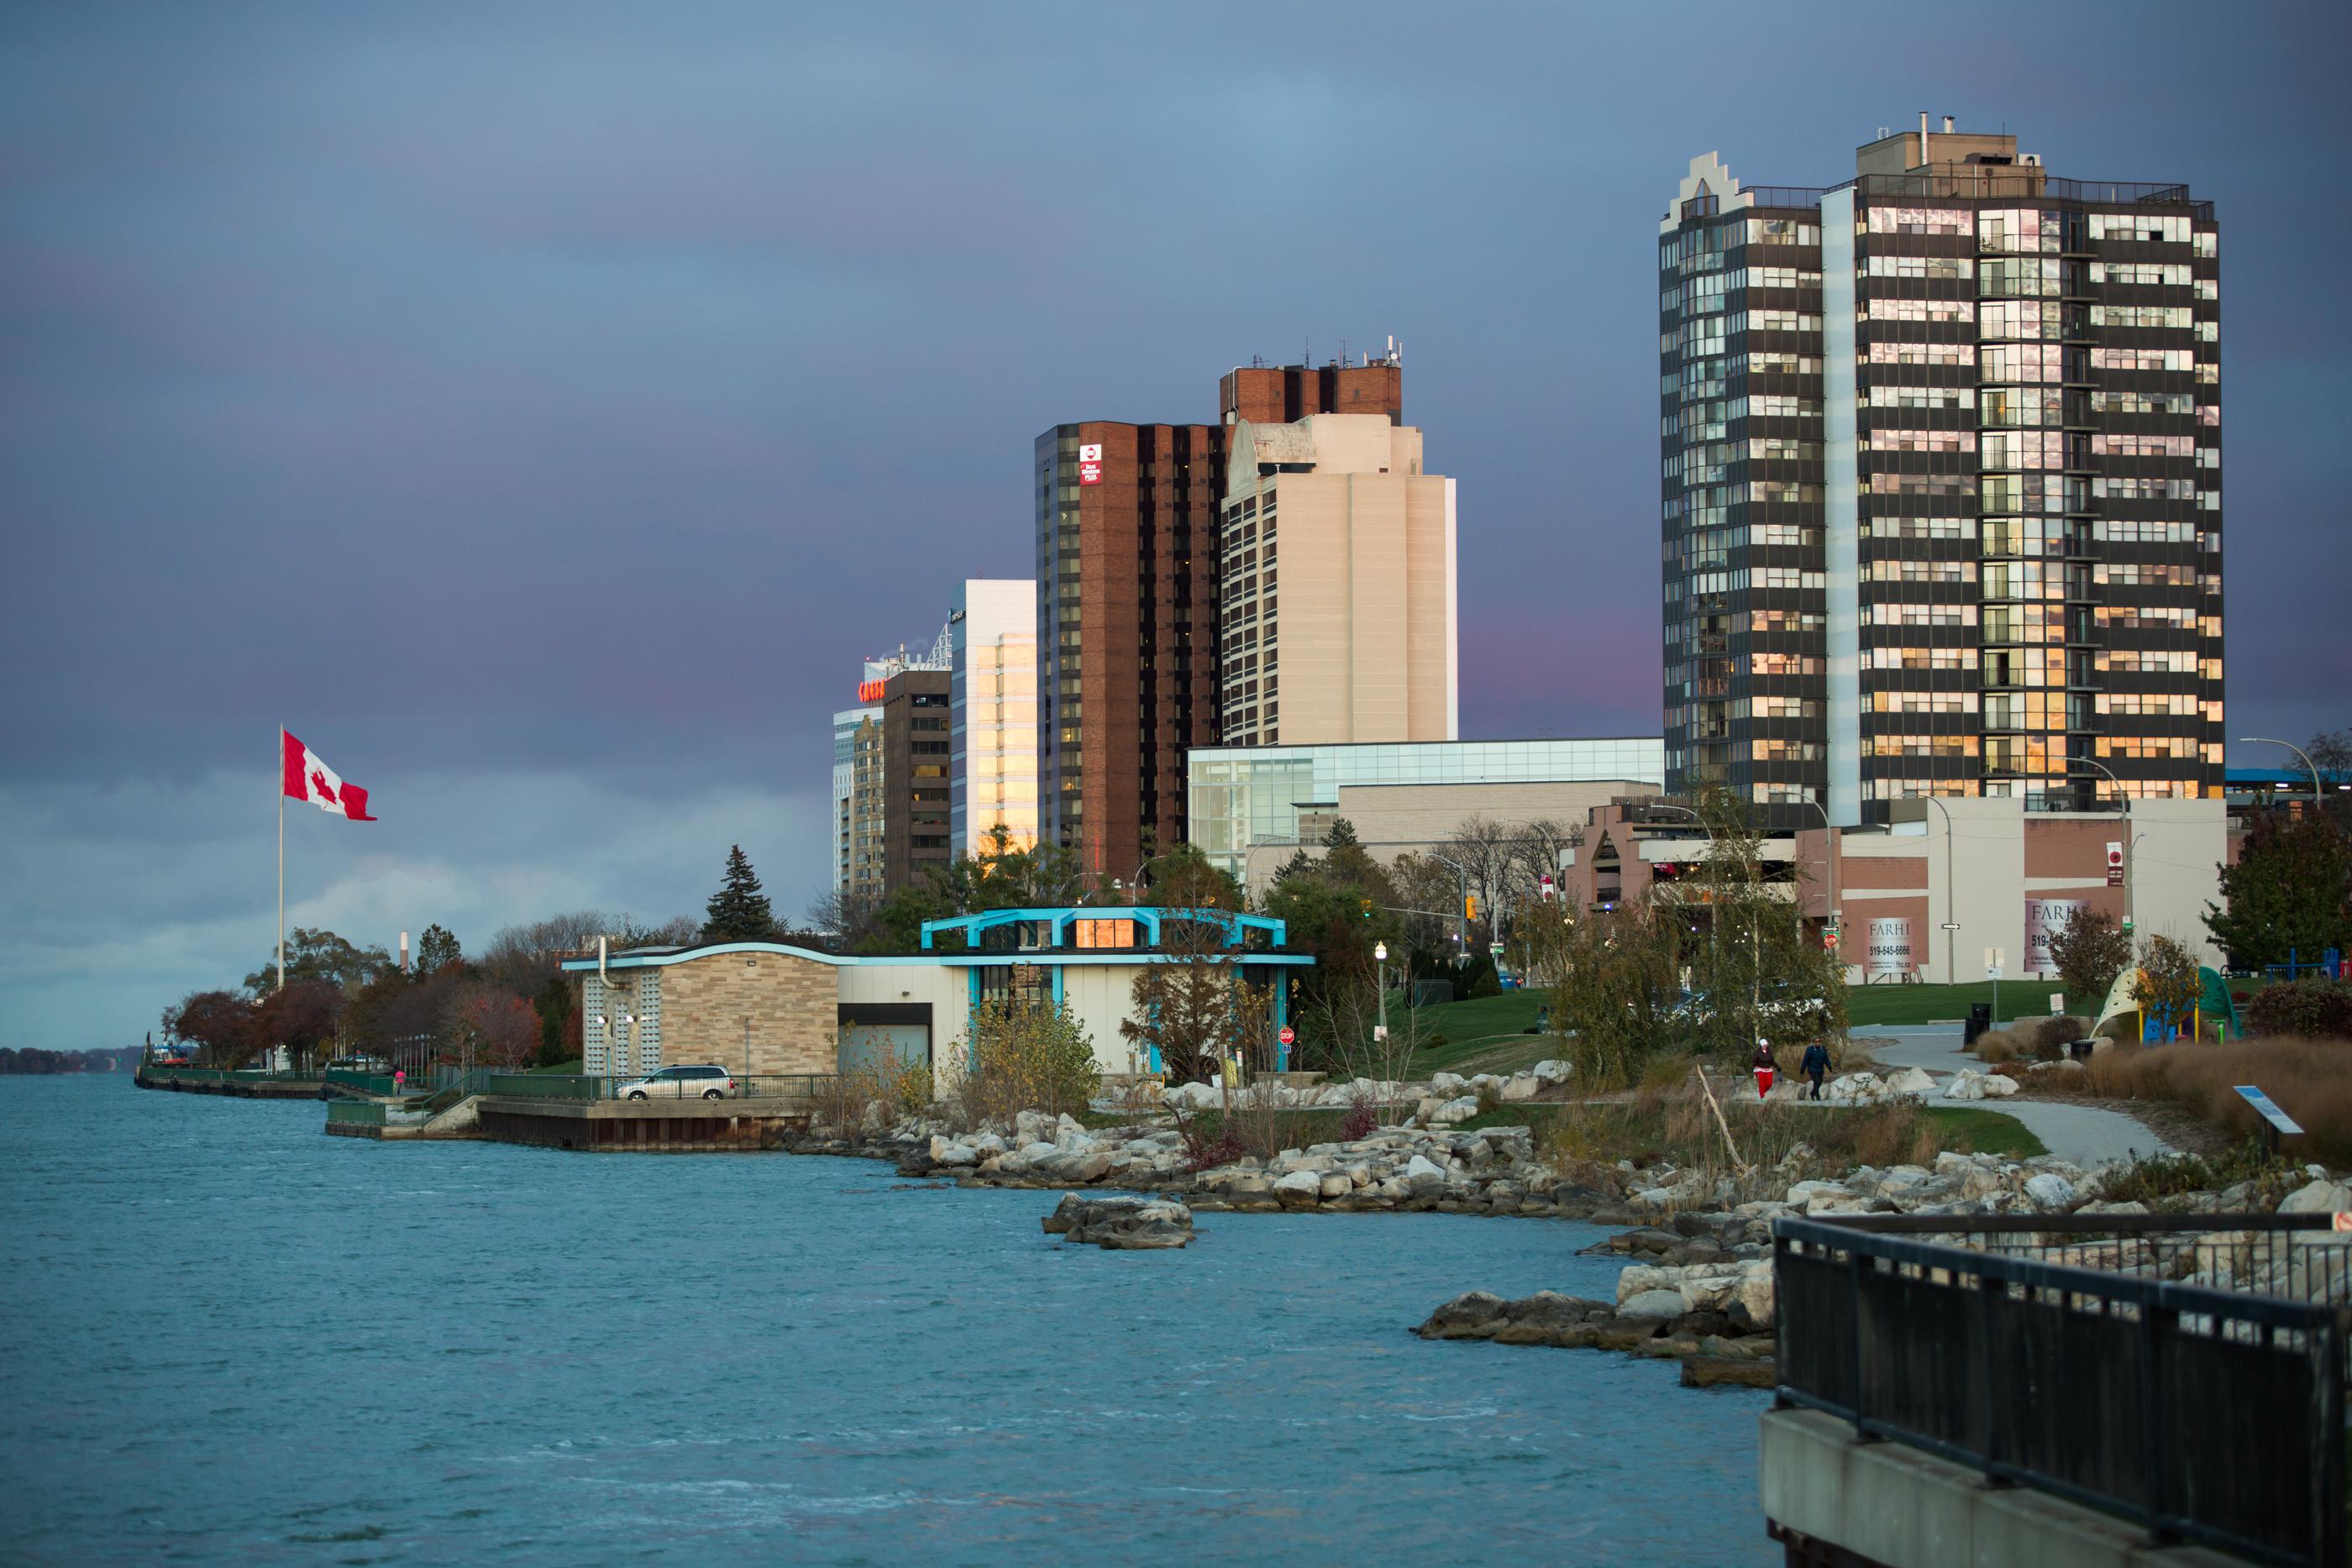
(791, 1005)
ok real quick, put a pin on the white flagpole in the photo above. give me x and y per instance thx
(279, 766)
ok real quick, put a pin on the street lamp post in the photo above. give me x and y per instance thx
(1951, 923)
(1381, 957)
(2122, 809)
(2265, 740)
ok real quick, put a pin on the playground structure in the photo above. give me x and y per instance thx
(2214, 1007)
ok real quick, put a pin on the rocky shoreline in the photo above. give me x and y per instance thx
(1697, 1286)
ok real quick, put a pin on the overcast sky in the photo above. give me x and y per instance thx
(542, 410)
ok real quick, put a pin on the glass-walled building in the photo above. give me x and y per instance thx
(992, 718)
(1941, 509)
(1261, 795)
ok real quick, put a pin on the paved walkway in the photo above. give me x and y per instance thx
(2085, 1136)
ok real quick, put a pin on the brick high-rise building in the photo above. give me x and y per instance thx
(1127, 604)
(1126, 632)
(916, 749)
(1942, 495)
(1284, 394)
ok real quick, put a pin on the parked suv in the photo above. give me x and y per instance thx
(703, 1082)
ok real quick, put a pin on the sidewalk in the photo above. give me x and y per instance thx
(2085, 1136)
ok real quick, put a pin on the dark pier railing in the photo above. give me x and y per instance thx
(2202, 1412)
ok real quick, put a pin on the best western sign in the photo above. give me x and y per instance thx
(1091, 463)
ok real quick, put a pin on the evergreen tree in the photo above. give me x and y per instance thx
(2291, 890)
(553, 1005)
(739, 911)
(436, 949)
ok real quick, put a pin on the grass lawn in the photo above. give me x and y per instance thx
(1487, 1035)
(1985, 1132)
(1868, 1005)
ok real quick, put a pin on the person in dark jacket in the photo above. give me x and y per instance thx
(1816, 1062)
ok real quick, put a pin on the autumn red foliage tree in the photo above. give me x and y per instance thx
(499, 1027)
(217, 1023)
(302, 1018)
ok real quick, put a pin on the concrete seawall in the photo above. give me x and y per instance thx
(1829, 1499)
(646, 1126)
(239, 1089)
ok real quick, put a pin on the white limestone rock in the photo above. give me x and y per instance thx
(1914, 1081)
(2317, 1198)
(2050, 1191)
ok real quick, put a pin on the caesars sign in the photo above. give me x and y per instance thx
(2044, 918)
(1890, 947)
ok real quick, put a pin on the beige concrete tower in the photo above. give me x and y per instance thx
(1335, 584)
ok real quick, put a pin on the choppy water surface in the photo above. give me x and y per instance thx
(227, 1337)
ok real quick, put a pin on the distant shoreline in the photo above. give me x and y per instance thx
(32, 1062)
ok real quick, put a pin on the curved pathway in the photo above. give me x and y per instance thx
(2085, 1136)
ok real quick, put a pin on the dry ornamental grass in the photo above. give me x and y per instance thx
(2311, 1080)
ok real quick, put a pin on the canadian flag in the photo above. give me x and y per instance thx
(308, 778)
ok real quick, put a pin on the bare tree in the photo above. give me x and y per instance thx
(1538, 844)
(1488, 853)
(1428, 891)
(523, 958)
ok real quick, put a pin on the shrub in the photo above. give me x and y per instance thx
(1997, 1045)
(2321, 1009)
(1022, 1056)
(2168, 1175)
(1363, 1118)
(2052, 1036)
(852, 1102)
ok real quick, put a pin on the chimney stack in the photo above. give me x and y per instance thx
(1948, 125)
(403, 952)
(1923, 139)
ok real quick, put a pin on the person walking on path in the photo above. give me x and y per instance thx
(1763, 1067)
(1816, 1063)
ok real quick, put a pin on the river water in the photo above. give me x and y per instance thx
(227, 1336)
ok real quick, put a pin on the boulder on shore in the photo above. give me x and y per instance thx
(1120, 1224)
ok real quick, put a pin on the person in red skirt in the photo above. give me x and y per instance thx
(1763, 1067)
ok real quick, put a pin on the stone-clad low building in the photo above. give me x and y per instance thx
(765, 1008)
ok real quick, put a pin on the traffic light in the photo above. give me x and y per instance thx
(1470, 907)
(1367, 907)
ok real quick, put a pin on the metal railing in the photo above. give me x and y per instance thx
(222, 1075)
(573, 1086)
(2203, 1414)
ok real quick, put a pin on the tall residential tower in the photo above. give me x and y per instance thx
(1336, 609)
(1127, 604)
(993, 714)
(1942, 498)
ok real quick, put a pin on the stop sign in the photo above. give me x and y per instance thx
(1288, 1035)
